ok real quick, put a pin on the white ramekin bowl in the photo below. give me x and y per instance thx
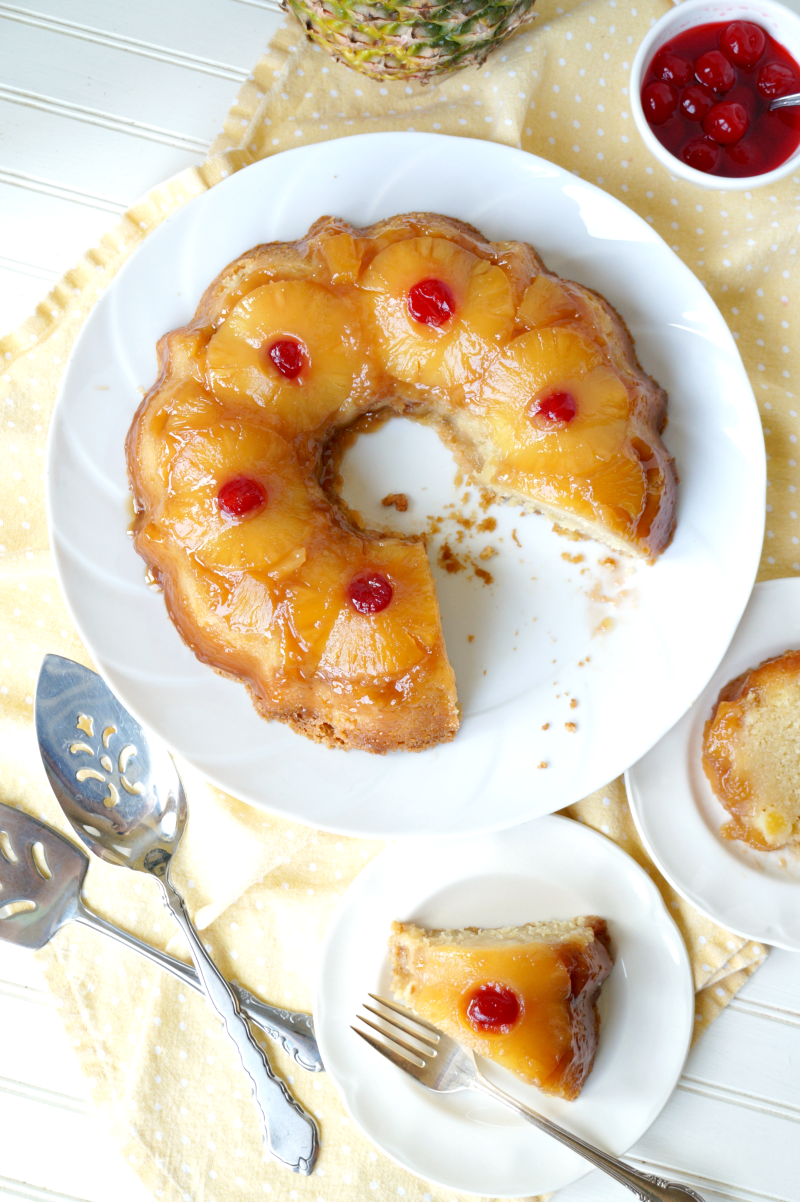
(778, 20)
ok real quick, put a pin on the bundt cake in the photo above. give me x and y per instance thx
(751, 753)
(530, 380)
(526, 997)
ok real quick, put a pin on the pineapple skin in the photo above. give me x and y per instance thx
(275, 626)
(412, 40)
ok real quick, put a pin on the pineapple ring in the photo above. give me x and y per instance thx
(327, 327)
(456, 352)
(210, 458)
(345, 643)
(531, 368)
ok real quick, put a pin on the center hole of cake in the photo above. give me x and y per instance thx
(287, 357)
(431, 302)
(493, 1007)
(557, 407)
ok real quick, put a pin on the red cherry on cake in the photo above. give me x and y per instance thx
(672, 68)
(493, 1008)
(776, 79)
(702, 154)
(287, 357)
(241, 497)
(713, 69)
(726, 123)
(558, 407)
(743, 43)
(659, 101)
(696, 101)
(431, 302)
(369, 593)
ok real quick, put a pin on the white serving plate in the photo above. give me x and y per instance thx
(634, 645)
(754, 893)
(552, 868)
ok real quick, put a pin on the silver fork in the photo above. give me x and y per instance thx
(437, 1062)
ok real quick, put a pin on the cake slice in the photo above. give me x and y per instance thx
(751, 753)
(524, 997)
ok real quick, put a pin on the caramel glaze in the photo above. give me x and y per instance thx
(407, 698)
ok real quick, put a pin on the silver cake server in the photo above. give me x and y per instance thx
(42, 873)
(125, 800)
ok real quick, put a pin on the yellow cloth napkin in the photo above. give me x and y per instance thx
(162, 1072)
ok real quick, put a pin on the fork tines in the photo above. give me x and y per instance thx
(393, 1030)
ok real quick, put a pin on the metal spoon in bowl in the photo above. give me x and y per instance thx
(41, 874)
(125, 801)
(785, 102)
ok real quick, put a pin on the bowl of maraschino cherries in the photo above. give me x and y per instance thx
(703, 85)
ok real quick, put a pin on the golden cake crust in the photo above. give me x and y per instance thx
(554, 970)
(751, 753)
(255, 602)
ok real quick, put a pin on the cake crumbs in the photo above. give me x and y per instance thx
(516, 540)
(470, 638)
(572, 558)
(487, 553)
(546, 726)
(608, 563)
(487, 525)
(573, 535)
(449, 560)
(485, 576)
(571, 727)
(542, 764)
(573, 703)
(398, 499)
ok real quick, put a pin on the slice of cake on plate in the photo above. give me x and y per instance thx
(525, 997)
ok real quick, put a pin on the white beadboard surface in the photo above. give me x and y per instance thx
(100, 100)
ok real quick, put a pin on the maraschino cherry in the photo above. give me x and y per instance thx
(714, 70)
(287, 357)
(241, 497)
(726, 123)
(370, 592)
(493, 1007)
(659, 101)
(431, 302)
(743, 43)
(558, 407)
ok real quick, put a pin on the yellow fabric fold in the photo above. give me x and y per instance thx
(162, 1072)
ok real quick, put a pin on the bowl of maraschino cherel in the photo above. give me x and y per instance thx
(703, 87)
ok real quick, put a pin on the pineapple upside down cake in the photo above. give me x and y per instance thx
(529, 379)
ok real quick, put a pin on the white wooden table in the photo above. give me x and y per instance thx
(99, 101)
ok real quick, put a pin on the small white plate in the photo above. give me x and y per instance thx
(754, 893)
(550, 869)
(633, 645)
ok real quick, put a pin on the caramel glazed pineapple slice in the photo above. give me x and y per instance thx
(531, 380)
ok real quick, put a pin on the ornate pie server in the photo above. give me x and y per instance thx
(125, 800)
(42, 874)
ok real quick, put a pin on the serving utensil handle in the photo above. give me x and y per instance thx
(295, 1032)
(646, 1187)
(290, 1134)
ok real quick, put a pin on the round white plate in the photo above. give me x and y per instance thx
(754, 893)
(632, 644)
(549, 869)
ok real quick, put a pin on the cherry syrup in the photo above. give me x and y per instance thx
(287, 357)
(369, 593)
(493, 1007)
(706, 98)
(241, 497)
(431, 302)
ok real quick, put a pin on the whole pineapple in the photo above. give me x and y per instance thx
(413, 40)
